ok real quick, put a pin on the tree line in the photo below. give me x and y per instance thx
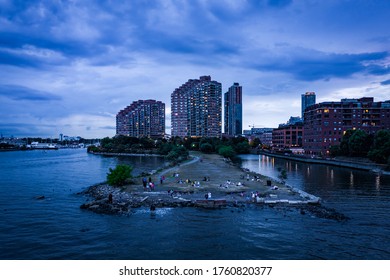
(175, 148)
(358, 143)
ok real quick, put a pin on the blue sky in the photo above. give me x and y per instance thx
(69, 66)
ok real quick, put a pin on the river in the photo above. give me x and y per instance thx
(56, 228)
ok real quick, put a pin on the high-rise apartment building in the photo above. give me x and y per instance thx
(308, 99)
(233, 110)
(143, 118)
(196, 108)
(325, 123)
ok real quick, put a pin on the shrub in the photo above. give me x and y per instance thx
(226, 151)
(119, 175)
(206, 148)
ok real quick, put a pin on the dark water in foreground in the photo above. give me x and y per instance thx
(55, 227)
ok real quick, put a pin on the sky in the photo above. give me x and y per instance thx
(70, 66)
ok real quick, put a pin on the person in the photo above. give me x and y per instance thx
(144, 182)
(206, 196)
(110, 198)
(150, 179)
(209, 195)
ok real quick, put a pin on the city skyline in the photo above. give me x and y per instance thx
(69, 67)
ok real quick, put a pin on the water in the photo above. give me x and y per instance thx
(56, 228)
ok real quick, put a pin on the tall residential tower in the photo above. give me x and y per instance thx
(143, 118)
(308, 99)
(196, 108)
(233, 110)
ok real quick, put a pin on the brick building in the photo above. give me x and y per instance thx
(289, 135)
(325, 123)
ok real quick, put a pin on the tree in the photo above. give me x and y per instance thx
(359, 143)
(242, 147)
(335, 150)
(119, 175)
(344, 144)
(206, 148)
(380, 151)
(226, 151)
(255, 143)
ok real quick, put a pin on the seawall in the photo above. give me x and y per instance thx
(349, 164)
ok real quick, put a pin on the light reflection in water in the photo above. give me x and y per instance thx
(351, 179)
(378, 182)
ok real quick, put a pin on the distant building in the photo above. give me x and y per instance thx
(288, 136)
(233, 110)
(308, 99)
(325, 123)
(263, 133)
(196, 109)
(143, 118)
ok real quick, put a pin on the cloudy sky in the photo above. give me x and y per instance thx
(69, 66)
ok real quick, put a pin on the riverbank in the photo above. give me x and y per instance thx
(359, 165)
(125, 154)
(207, 181)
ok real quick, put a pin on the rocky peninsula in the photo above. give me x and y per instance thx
(208, 181)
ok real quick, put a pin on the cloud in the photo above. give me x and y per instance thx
(16, 92)
(385, 83)
(311, 65)
(75, 64)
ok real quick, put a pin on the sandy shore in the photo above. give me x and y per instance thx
(211, 173)
(187, 184)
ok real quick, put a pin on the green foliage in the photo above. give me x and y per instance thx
(242, 147)
(206, 148)
(335, 150)
(344, 145)
(359, 143)
(255, 143)
(165, 148)
(119, 175)
(92, 149)
(227, 151)
(178, 153)
(283, 174)
(380, 151)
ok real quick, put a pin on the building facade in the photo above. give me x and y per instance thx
(325, 123)
(287, 136)
(263, 133)
(307, 99)
(143, 118)
(233, 110)
(196, 109)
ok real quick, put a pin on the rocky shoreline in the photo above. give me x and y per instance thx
(124, 203)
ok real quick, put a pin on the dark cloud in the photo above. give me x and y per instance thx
(24, 129)
(312, 65)
(108, 127)
(385, 83)
(20, 93)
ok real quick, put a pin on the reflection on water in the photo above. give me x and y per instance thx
(56, 228)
